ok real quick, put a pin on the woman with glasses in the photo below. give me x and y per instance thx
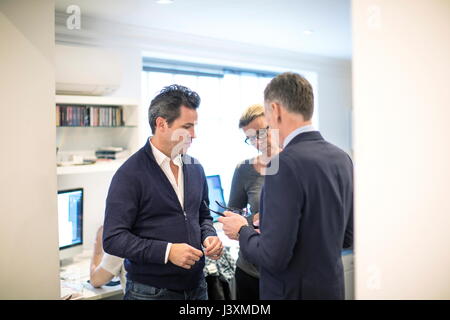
(246, 188)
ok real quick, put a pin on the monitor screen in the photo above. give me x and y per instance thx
(215, 193)
(70, 218)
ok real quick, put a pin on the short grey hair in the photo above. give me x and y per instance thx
(293, 91)
(251, 113)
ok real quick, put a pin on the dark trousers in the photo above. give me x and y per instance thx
(138, 291)
(247, 287)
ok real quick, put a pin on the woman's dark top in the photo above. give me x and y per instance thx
(246, 190)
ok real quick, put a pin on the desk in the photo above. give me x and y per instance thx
(74, 277)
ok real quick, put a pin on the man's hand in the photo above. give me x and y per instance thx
(213, 247)
(232, 222)
(183, 255)
(256, 220)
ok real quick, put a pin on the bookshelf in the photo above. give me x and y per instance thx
(75, 139)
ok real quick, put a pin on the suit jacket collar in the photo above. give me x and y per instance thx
(305, 136)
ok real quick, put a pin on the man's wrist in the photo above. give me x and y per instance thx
(240, 229)
(166, 256)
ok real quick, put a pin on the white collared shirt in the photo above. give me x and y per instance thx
(164, 162)
(296, 132)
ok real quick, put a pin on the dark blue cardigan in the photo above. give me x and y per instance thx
(143, 214)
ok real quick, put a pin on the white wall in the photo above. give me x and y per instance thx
(29, 263)
(335, 107)
(402, 148)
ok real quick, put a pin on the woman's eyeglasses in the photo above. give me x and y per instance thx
(242, 212)
(260, 134)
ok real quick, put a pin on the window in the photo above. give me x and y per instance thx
(225, 93)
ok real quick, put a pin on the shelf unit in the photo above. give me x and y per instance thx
(97, 126)
(105, 166)
(84, 140)
(95, 100)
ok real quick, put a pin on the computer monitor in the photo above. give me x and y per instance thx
(70, 223)
(215, 193)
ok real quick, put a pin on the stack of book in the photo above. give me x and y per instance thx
(89, 116)
(112, 153)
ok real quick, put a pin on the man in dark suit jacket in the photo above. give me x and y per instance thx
(306, 207)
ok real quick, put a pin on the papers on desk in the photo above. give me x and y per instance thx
(74, 285)
(72, 296)
(71, 291)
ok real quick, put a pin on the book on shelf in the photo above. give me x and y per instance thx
(89, 116)
(58, 117)
(110, 149)
(112, 153)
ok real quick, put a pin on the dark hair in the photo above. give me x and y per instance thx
(293, 91)
(168, 102)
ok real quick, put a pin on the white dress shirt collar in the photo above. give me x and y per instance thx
(164, 163)
(296, 132)
(161, 157)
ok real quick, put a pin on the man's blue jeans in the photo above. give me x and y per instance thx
(138, 291)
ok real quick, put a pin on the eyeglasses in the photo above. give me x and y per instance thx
(260, 134)
(242, 212)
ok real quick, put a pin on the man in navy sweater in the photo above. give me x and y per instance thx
(306, 210)
(156, 217)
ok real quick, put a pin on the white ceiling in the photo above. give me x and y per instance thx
(274, 23)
